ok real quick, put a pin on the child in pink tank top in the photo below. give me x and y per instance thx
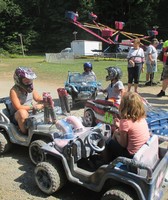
(132, 131)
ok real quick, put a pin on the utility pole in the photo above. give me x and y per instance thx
(21, 42)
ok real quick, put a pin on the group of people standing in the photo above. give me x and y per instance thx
(136, 64)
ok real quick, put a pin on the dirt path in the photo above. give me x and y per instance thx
(16, 171)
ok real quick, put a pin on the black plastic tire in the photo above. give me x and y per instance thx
(119, 193)
(50, 178)
(35, 152)
(5, 144)
(89, 118)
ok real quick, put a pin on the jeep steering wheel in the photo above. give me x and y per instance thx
(96, 141)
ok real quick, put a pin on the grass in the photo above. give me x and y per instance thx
(57, 72)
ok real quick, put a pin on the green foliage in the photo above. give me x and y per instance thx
(2, 5)
(44, 28)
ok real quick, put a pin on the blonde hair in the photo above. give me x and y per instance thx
(132, 107)
(137, 41)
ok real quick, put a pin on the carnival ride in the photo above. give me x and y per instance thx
(110, 35)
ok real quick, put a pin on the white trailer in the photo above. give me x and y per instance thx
(86, 48)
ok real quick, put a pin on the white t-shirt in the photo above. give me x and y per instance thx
(151, 50)
(113, 91)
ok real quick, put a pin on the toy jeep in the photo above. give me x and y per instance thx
(42, 129)
(78, 160)
(81, 87)
(98, 110)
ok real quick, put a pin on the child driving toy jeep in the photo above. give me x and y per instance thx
(22, 95)
(116, 88)
(87, 67)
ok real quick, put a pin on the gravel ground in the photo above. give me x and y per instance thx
(16, 170)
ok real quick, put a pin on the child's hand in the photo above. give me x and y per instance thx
(38, 106)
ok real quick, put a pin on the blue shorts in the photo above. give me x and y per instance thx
(151, 68)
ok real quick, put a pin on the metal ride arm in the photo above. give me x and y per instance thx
(69, 16)
(107, 32)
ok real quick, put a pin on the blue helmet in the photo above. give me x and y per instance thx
(87, 65)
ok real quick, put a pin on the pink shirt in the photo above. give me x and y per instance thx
(138, 133)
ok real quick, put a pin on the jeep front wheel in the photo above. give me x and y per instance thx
(119, 193)
(49, 178)
(5, 144)
(35, 152)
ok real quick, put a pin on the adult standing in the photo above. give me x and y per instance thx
(164, 76)
(136, 59)
(151, 62)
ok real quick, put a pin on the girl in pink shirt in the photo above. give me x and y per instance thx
(132, 129)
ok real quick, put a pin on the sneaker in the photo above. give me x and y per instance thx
(161, 94)
(148, 83)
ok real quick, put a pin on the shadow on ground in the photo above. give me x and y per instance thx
(27, 182)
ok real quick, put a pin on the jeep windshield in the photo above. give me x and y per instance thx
(79, 78)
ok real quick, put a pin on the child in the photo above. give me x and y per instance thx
(132, 130)
(23, 95)
(115, 89)
(88, 69)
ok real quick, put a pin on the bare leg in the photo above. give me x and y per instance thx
(164, 84)
(20, 116)
(135, 88)
(147, 77)
(129, 87)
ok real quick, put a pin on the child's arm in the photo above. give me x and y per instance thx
(121, 137)
(122, 91)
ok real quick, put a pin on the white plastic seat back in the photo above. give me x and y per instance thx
(148, 154)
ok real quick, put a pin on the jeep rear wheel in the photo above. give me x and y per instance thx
(50, 178)
(35, 152)
(89, 118)
(119, 193)
(5, 144)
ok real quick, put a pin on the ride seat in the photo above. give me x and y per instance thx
(148, 155)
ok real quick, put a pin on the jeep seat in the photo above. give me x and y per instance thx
(148, 154)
